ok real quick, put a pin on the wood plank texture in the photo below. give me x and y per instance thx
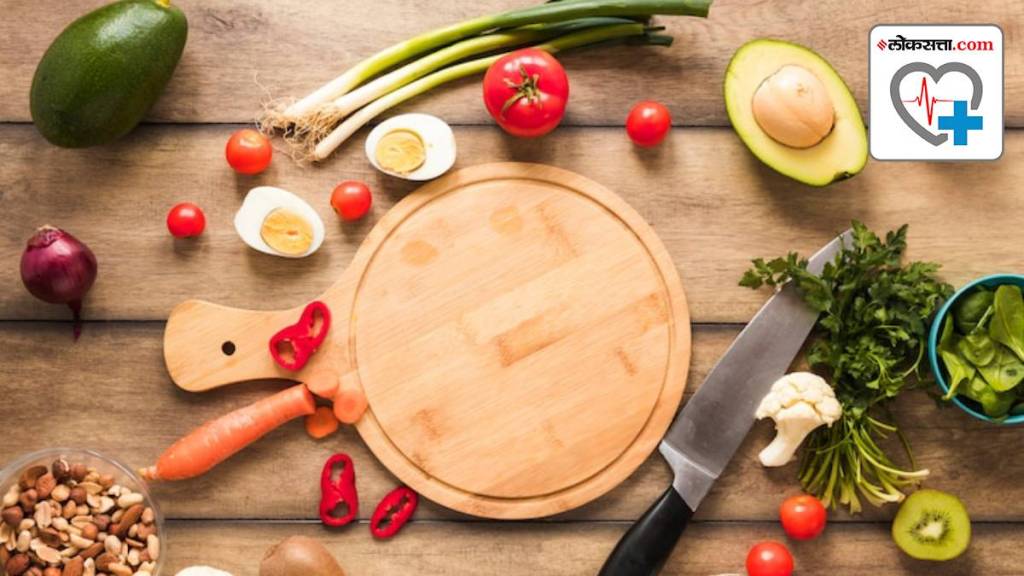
(113, 385)
(241, 51)
(427, 549)
(711, 203)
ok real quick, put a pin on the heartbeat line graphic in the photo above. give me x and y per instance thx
(923, 99)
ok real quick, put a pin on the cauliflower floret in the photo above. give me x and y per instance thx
(799, 403)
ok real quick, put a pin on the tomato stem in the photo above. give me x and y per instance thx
(526, 89)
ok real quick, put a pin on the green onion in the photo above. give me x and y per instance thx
(577, 39)
(546, 13)
(356, 99)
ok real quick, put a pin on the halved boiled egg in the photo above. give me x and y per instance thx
(412, 146)
(277, 222)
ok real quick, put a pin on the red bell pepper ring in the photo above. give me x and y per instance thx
(393, 512)
(334, 494)
(293, 345)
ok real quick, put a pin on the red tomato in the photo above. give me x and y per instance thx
(803, 517)
(769, 559)
(648, 123)
(526, 92)
(186, 220)
(248, 151)
(351, 200)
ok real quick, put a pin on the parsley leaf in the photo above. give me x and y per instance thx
(870, 339)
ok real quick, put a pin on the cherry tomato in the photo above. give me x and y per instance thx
(248, 151)
(648, 123)
(803, 517)
(351, 200)
(186, 220)
(526, 92)
(769, 559)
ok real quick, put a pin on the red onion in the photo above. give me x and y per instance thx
(57, 268)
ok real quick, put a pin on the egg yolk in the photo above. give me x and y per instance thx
(287, 232)
(400, 151)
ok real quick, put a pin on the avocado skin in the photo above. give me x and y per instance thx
(105, 70)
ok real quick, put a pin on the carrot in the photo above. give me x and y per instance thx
(349, 405)
(217, 440)
(323, 383)
(321, 423)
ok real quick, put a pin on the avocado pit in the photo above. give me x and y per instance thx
(793, 107)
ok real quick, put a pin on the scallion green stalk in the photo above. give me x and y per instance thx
(380, 86)
(585, 37)
(546, 13)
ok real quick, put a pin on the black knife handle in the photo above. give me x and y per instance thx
(644, 548)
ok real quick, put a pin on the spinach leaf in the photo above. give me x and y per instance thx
(1007, 326)
(959, 371)
(1005, 372)
(993, 404)
(970, 309)
(977, 348)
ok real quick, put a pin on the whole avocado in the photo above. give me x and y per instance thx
(105, 70)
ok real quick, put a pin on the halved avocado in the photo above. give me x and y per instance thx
(839, 155)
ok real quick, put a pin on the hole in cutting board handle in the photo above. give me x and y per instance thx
(228, 348)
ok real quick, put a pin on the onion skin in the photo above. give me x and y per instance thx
(58, 268)
(299, 556)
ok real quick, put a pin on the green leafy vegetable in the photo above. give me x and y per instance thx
(870, 338)
(985, 348)
(994, 404)
(978, 348)
(1005, 371)
(971, 308)
(959, 370)
(1007, 324)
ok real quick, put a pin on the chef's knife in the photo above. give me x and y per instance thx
(712, 425)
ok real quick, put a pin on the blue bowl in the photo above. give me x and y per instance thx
(933, 342)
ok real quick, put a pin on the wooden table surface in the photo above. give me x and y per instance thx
(711, 202)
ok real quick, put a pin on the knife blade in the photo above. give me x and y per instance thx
(709, 429)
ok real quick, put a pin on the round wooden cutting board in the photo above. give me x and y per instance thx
(520, 334)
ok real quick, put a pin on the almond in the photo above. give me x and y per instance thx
(74, 567)
(28, 500)
(50, 537)
(30, 475)
(44, 485)
(92, 551)
(131, 516)
(103, 562)
(17, 565)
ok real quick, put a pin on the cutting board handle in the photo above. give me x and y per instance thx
(207, 345)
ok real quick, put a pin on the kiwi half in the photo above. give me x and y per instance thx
(932, 525)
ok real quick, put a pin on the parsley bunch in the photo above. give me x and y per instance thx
(870, 339)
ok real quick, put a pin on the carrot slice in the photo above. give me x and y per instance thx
(349, 405)
(217, 440)
(323, 383)
(321, 423)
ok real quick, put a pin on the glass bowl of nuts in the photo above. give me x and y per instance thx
(74, 512)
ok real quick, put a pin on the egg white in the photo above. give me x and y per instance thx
(263, 200)
(438, 142)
